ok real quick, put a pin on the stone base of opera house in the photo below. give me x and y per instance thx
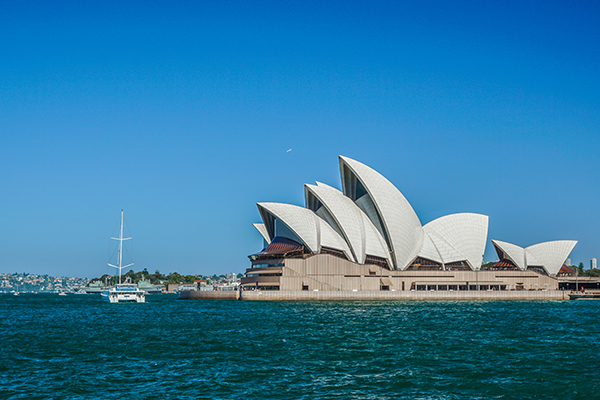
(331, 274)
(327, 277)
(270, 295)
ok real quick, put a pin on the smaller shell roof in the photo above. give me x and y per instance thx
(304, 223)
(262, 229)
(549, 255)
(552, 255)
(514, 253)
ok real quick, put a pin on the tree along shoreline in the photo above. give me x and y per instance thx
(157, 278)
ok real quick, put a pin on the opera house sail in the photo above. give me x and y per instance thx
(367, 237)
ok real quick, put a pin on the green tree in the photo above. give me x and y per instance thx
(579, 269)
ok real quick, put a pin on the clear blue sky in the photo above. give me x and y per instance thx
(181, 113)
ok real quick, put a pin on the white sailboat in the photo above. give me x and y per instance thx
(123, 292)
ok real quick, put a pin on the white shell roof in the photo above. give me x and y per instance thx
(552, 255)
(447, 252)
(356, 227)
(514, 253)
(302, 221)
(465, 233)
(375, 243)
(429, 251)
(330, 238)
(531, 259)
(403, 227)
(307, 225)
(262, 229)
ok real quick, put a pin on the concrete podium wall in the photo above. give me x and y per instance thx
(273, 295)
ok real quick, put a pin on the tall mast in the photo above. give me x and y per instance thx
(121, 239)
(121, 247)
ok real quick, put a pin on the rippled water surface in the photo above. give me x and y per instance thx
(79, 347)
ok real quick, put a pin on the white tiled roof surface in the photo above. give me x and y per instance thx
(552, 255)
(302, 221)
(308, 226)
(351, 221)
(429, 251)
(375, 243)
(330, 238)
(262, 229)
(402, 224)
(466, 233)
(515, 253)
(448, 253)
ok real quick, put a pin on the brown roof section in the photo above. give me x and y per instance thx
(281, 245)
(566, 270)
(503, 264)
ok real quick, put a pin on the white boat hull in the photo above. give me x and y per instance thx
(115, 295)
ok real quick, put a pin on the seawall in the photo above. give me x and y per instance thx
(268, 295)
(209, 295)
(275, 295)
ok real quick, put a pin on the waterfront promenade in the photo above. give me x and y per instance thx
(275, 295)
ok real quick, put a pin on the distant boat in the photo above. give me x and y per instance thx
(149, 288)
(62, 294)
(584, 296)
(96, 287)
(123, 292)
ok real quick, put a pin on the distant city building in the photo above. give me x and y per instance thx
(568, 262)
(593, 263)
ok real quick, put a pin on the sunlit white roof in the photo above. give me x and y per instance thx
(312, 230)
(549, 255)
(358, 231)
(429, 250)
(400, 223)
(262, 229)
(463, 235)
(514, 253)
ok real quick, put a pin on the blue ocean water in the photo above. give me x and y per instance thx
(77, 347)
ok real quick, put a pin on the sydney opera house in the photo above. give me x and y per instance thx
(367, 237)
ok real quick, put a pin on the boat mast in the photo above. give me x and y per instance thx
(121, 247)
(120, 239)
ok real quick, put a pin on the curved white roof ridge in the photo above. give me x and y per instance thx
(531, 259)
(515, 253)
(308, 226)
(375, 244)
(345, 214)
(302, 221)
(400, 221)
(262, 229)
(429, 250)
(447, 251)
(551, 254)
(465, 232)
(358, 230)
(330, 238)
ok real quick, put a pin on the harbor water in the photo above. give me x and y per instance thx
(77, 347)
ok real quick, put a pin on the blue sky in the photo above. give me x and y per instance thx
(181, 114)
